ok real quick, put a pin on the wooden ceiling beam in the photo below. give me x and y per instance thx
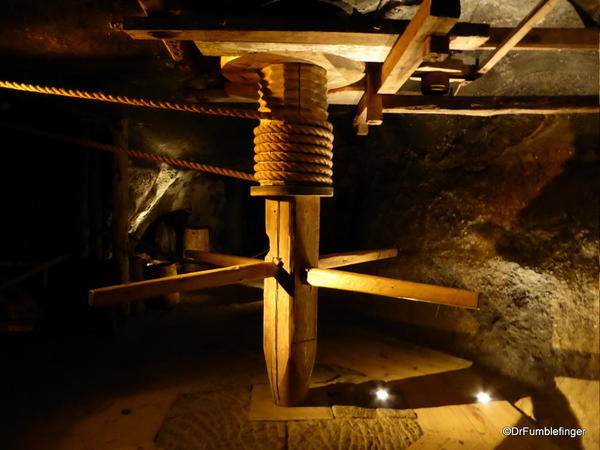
(490, 105)
(352, 38)
(434, 17)
(535, 16)
(356, 38)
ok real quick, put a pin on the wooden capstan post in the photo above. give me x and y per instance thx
(294, 167)
(293, 151)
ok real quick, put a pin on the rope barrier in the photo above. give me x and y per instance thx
(293, 142)
(143, 155)
(100, 96)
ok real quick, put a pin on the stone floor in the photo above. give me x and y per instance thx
(194, 378)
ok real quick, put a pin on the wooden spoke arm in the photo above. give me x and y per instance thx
(388, 287)
(346, 259)
(328, 261)
(219, 259)
(181, 283)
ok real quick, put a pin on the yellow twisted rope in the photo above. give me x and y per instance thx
(100, 96)
(143, 155)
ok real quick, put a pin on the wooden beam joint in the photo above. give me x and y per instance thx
(434, 17)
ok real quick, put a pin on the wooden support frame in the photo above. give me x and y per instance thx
(388, 287)
(433, 17)
(181, 283)
(531, 20)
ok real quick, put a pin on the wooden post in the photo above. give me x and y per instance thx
(137, 267)
(290, 305)
(292, 190)
(121, 208)
(195, 239)
(171, 299)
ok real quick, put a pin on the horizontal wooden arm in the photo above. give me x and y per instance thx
(388, 287)
(181, 283)
(219, 259)
(325, 261)
(346, 259)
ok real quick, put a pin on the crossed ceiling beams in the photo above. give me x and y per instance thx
(394, 50)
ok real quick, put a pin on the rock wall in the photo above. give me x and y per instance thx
(506, 206)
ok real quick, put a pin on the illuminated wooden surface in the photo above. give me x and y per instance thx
(180, 283)
(290, 306)
(388, 287)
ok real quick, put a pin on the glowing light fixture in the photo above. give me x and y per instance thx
(483, 397)
(382, 394)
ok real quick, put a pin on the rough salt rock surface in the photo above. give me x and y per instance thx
(502, 206)
(507, 13)
(218, 420)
